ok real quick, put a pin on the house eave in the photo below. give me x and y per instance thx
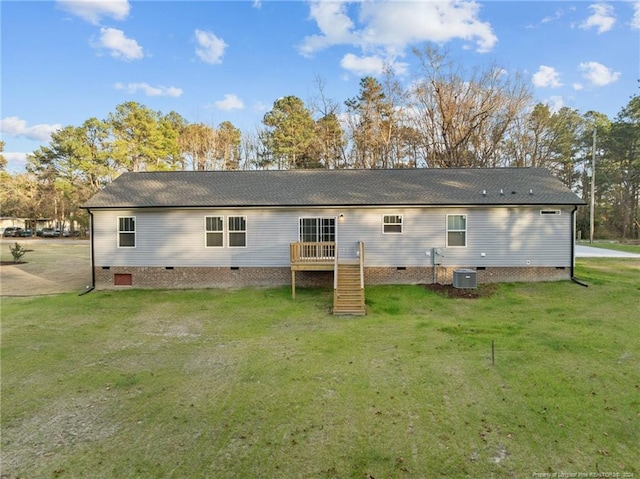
(330, 206)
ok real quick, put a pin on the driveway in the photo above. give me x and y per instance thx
(591, 252)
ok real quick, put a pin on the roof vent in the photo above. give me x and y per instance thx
(484, 192)
(530, 192)
(501, 192)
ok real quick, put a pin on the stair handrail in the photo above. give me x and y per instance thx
(361, 257)
(335, 267)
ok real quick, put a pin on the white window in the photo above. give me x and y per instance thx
(126, 232)
(214, 231)
(549, 212)
(317, 230)
(456, 231)
(237, 231)
(392, 224)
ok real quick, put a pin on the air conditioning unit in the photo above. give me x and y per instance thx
(465, 278)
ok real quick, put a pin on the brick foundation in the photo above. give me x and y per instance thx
(444, 275)
(409, 275)
(524, 274)
(158, 277)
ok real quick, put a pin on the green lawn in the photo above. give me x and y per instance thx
(251, 384)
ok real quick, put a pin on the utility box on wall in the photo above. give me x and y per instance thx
(465, 278)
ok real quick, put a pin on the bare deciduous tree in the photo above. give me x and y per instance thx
(463, 116)
(197, 143)
(328, 149)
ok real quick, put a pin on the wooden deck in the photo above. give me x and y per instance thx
(313, 256)
(348, 284)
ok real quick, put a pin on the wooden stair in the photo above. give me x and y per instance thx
(348, 295)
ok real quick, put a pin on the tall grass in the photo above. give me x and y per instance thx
(250, 383)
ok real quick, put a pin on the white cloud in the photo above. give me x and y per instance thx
(210, 48)
(392, 26)
(119, 45)
(14, 126)
(399, 68)
(16, 160)
(372, 65)
(149, 90)
(260, 106)
(333, 22)
(635, 21)
(602, 18)
(577, 86)
(546, 77)
(557, 16)
(230, 102)
(555, 103)
(93, 10)
(598, 74)
(397, 24)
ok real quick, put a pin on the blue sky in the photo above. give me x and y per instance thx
(68, 60)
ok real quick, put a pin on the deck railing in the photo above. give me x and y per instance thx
(306, 252)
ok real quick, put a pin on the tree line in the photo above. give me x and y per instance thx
(448, 116)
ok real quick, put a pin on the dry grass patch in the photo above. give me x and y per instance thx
(67, 423)
(48, 268)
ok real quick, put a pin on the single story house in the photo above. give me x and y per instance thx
(11, 222)
(246, 228)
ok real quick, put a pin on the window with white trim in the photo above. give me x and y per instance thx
(237, 231)
(214, 231)
(456, 231)
(549, 212)
(317, 230)
(126, 231)
(392, 224)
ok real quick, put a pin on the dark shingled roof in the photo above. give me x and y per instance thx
(427, 186)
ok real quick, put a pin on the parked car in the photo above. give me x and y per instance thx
(50, 233)
(25, 233)
(12, 231)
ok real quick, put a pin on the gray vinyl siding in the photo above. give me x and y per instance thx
(506, 236)
(177, 238)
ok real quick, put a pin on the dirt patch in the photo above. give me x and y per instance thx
(161, 320)
(482, 291)
(11, 263)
